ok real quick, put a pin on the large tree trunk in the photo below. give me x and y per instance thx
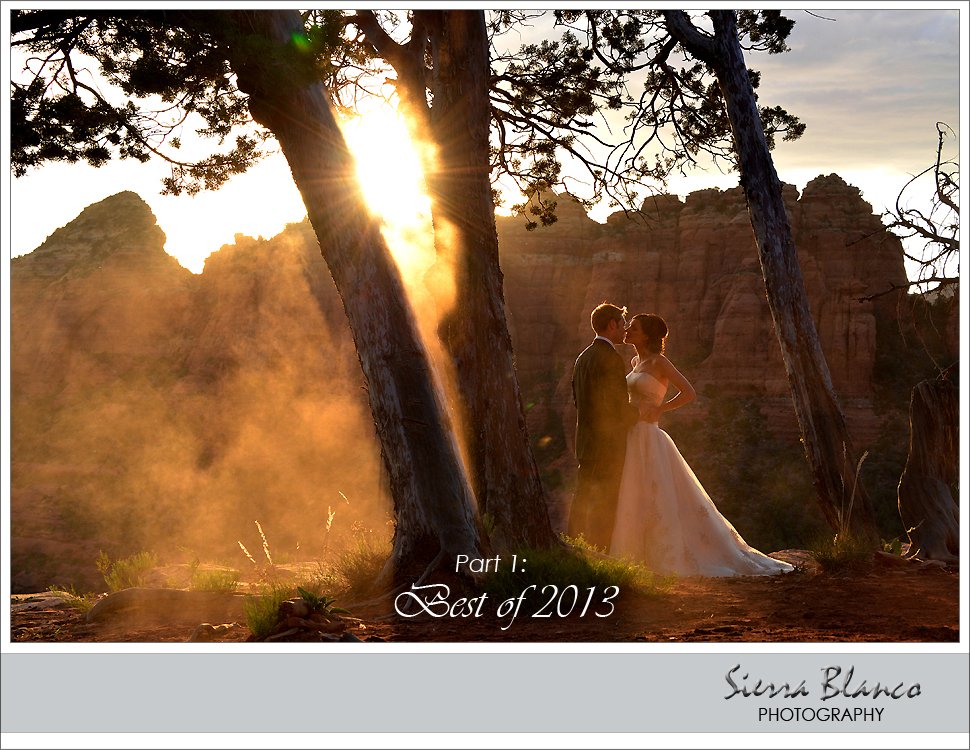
(927, 506)
(825, 437)
(432, 500)
(502, 468)
(474, 331)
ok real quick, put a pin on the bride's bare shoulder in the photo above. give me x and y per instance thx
(665, 365)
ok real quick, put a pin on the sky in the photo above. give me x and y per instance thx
(869, 84)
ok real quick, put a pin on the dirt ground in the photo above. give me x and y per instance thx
(888, 602)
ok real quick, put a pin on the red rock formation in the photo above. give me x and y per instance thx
(214, 399)
(96, 299)
(696, 264)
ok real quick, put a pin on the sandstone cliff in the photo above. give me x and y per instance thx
(695, 263)
(152, 408)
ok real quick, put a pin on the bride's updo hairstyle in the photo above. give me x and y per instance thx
(655, 329)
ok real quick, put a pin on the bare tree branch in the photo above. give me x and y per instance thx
(941, 280)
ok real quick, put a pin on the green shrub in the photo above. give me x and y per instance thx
(892, 546)
(127, 572)
(82, 602)
(263, 610)
(842, 553)
(320, 603)
(219, 581)
(577, 565)
(362, 563)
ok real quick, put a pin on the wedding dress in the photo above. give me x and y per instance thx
(665, 519)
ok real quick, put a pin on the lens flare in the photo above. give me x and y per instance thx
(389, 170)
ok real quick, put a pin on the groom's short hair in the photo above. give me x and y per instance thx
(600, 317)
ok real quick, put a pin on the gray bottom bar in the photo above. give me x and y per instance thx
(548, 693)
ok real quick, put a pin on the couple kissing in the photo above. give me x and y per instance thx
(636, 497)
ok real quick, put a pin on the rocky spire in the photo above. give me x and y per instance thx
(120, 229)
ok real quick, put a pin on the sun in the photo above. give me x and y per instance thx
(388, 166)
(390, 174)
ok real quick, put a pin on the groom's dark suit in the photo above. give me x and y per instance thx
(603, 416)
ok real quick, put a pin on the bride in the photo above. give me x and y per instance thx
(664, 517)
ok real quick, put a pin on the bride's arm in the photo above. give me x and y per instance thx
(686, 392)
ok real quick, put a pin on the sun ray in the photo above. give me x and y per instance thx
(390, 173)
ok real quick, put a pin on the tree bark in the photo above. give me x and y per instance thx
(825, 436)
(503, 471)
(432, 500)
(927, 506)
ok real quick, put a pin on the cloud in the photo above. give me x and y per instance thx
(870, 86)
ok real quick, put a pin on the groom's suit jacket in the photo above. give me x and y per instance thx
(603, 410)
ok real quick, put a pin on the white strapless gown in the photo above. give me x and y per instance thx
(665, 519)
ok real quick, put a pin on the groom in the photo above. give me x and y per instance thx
(603, 415)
